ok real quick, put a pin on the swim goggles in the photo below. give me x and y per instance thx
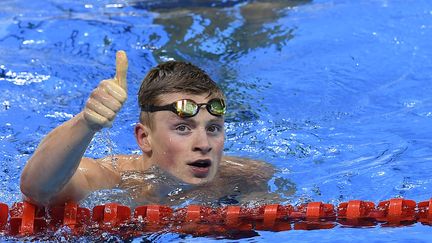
(189, 108)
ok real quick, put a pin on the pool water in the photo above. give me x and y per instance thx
(335, 94)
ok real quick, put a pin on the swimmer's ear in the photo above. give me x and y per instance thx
(142, 137)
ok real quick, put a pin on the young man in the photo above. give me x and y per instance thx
(180, 133)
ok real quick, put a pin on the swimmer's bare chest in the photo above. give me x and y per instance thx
(236, 176)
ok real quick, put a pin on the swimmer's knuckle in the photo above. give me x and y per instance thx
(103, 121)
(95, 94)
(90, 103)
(111, 116)
(116, 107)
(102, 86)
(104, 83)
(123, 98)
(95, 102)
(89, 116)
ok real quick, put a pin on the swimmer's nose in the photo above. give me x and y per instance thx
(202, 143)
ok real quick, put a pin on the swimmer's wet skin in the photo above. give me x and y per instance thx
(181, 131)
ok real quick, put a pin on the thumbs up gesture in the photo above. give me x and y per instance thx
(107, 99)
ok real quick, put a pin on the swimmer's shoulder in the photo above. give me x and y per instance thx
(246, 166)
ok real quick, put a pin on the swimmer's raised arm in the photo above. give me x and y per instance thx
(51, 174)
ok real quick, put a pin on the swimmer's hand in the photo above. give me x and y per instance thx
(107, 99)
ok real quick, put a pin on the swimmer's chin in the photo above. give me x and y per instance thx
(196, 181)
(192, 179)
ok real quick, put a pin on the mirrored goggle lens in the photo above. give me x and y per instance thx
(186, 108)
(217, 107)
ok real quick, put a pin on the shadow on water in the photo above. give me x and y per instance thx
(217, 35)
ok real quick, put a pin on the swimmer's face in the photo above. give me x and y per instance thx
(191, 148)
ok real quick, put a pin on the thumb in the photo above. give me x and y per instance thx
(121, 69)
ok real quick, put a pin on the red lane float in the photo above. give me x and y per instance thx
(3, 216)
(24, 219)
(424, 212)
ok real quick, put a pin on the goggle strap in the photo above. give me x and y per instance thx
(154, 108)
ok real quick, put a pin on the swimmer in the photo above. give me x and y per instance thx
(180, 133)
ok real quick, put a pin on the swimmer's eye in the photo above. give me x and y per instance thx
(183, 129)
(213, 129)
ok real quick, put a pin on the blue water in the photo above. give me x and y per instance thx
(336, 94)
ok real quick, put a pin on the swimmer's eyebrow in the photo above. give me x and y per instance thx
(176, 118)
(217, 120)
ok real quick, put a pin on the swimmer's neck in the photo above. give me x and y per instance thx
(169, 187)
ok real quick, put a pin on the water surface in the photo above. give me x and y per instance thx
(335, 94)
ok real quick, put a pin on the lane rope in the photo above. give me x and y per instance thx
(26, 219)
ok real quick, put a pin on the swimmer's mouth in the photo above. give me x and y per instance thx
(201, 163)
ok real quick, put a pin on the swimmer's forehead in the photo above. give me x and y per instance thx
(173, 118)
